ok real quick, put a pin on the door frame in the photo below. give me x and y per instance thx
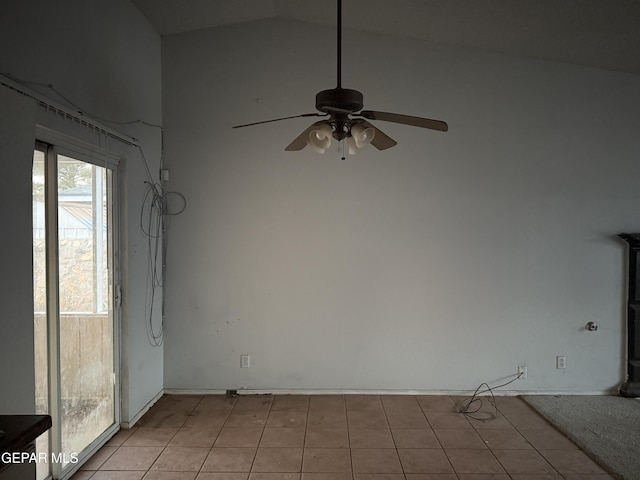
(53, 144)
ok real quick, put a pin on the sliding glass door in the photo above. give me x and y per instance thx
(74, 308)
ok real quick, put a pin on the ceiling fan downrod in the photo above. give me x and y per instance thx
(339, 100)
(344, 117)
(339, 43)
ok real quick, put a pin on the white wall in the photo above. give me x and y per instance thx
(105, 57)
(442, 263)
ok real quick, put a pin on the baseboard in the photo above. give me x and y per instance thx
(192, 391)
(142, 411)
(315, 391)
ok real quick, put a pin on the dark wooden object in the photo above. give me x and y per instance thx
(20, 431)
(631, 387)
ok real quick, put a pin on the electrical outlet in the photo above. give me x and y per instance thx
(561, 362)
(245, 361)
(522, 372)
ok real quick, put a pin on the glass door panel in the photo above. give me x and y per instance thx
(86, 323)
(82, 365)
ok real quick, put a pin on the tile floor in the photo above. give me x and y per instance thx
(338, 437)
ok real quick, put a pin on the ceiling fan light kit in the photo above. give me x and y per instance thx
(345, 119)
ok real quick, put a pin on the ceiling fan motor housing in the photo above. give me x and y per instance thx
(339, 99)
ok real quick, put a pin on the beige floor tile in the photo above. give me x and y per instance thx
(586, 476)
(118, 475)
(326, 460)
(180, 403)
(335, 403)
(415, 438)
(459, 438)
(216, 402)
(98, 458)
(82, 475)
(548, 440)
(527, 420)
(322, 437)
(486, 476)
(275, 459)
(375, 460)
(181, 459)
(447, 420)
(523, 461)
(318, 437)
(283, 437)
(530, 476)
(436, 403)
(119, 438)
(364, 403)
(290, 402)
(274, 476)
(229, 459)
(287, 418)
(150, 437)
(132, 458)
(252, 403)
(435, 476)
(327, 418)
(222, 476)
(370, 438)
(378, 476)
(490, 421)
(424, 460)
(326, 476)
(195, 437)
(161, 475)
(207, 418)
(504, 440)
(247, 418)
(239, 437)
(164, 418)
(512, 404)
(366, 419)
(407, 419)
(404, 403)
(571, 461)
(474, 461)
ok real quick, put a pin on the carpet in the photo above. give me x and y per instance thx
(607, 428)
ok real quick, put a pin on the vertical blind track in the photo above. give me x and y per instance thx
(76, 117)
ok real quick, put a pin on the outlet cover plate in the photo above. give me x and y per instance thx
(561, 362)
(245, 361)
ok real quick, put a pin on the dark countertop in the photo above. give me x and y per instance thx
(21, 430)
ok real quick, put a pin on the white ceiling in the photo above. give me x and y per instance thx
(598, 33)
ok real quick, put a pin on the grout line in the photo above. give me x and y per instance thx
(385, 411)
(520, 433)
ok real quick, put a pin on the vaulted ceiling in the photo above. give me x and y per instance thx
(598, 33)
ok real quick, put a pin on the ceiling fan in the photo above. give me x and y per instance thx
(345, 119)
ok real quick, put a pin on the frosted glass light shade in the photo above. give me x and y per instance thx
(362, 135)
(320, 139)
(351, 145)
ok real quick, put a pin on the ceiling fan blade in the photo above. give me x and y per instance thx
(405, 120)
(381, 140)
(283, 118)
(301, 140)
